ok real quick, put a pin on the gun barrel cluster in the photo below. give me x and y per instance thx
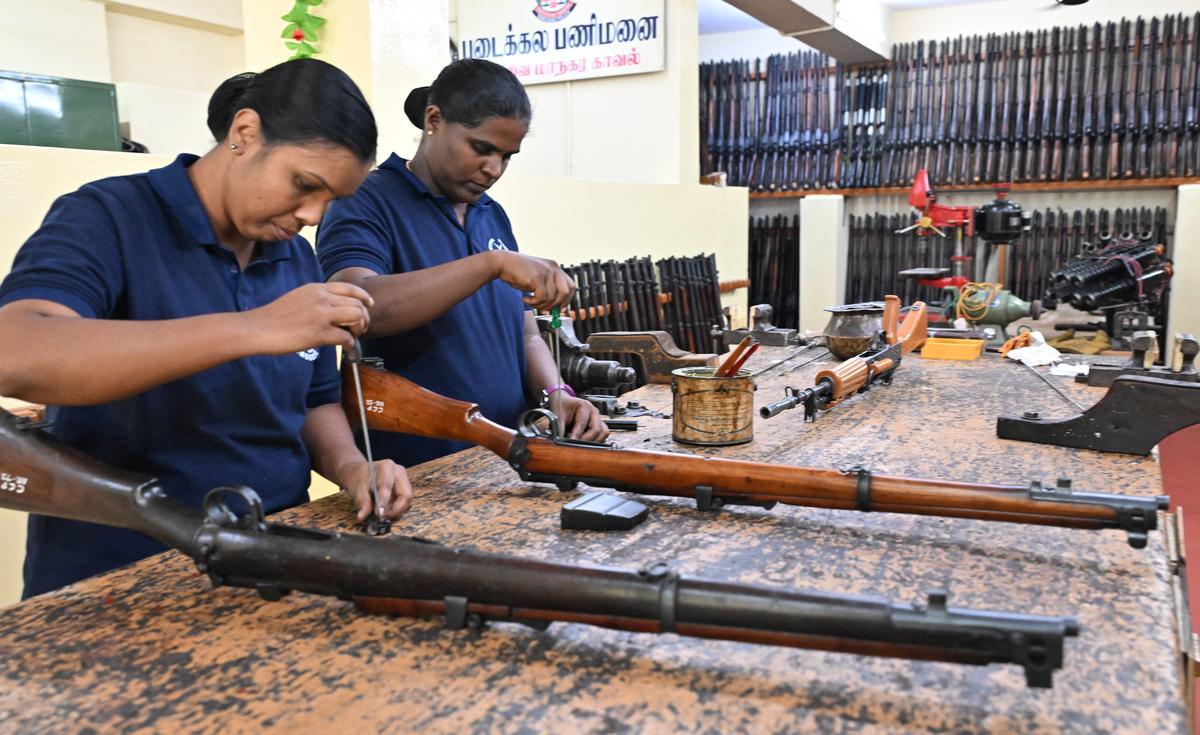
(1073, 103)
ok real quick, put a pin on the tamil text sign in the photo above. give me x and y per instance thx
(560, 40)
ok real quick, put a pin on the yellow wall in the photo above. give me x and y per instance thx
(573, 220)
(60, 38)
(652, 135)
(169, 55)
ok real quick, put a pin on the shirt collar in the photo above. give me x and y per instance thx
(400, 165)
(175, 189)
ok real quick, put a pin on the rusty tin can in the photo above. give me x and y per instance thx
(712, 411)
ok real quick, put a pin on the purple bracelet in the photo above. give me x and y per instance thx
(560, 386)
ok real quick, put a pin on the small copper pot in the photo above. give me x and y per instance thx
(852, 328)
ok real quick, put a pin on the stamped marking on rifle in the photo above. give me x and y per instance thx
(374, 406)
(13, 483)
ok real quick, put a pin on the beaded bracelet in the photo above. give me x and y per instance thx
(561, 386)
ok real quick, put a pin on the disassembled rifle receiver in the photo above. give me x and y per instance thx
(1134, 415)
(538, 455)
(231, 542)
(857, 374)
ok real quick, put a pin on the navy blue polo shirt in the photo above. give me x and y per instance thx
(475, 351)
(141, 247)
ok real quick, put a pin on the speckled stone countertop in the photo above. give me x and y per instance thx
(150, 648)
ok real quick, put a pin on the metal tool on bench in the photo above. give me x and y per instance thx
(578, 369)
(376, 524)
(762, 330)
(656, 349)
(1181, 364)
(1137, 413)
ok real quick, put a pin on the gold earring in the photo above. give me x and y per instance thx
(233, 146)
(429, 132)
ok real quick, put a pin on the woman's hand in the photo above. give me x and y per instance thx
(582, 419)
(313, 315)
(395, 492)
(545, 284)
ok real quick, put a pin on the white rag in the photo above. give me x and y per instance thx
(1037, 353)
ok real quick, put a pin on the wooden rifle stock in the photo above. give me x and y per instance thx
(396, 404)
(232, 542)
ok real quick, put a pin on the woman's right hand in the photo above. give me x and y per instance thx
(544, 283)
(313, 315)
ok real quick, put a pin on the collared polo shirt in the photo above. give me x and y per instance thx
(142, 248)
(474, 352)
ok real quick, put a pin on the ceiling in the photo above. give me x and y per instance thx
(718, 16)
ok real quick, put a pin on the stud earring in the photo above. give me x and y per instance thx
(429, 132)
(233, 146)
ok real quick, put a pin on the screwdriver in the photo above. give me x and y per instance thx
(378, 525)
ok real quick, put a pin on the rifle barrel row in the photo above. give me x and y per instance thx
(1057, 238)
(683, 298)
(1112, 101)
(775, 266)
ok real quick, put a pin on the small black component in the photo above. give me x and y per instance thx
(621, 424)
(602, 512)
(376, 526)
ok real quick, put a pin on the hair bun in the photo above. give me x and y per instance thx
(223, 104)
(415, 104)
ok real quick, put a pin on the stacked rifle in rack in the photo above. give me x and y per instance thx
(775, 267)
(769, 128)
(1105, 239)
(1111, 101)
(877, 253)
(693, 302)
(615, 296)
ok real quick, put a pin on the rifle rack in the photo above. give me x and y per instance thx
(1017, 186)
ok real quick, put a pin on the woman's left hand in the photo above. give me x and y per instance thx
(581, 417)
(395, 492)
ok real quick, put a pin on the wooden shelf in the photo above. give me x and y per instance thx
(1068, 186)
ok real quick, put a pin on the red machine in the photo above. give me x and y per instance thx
(999, 223)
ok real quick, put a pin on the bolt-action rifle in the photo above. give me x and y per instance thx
(538, 454)
(860, 372)
(232, 542)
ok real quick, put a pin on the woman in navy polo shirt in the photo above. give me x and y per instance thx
(439, 257)
(178, 327)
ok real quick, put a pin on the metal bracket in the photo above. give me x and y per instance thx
(1136, 414)
(668, 593)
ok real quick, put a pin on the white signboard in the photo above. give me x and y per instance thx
(559, 40)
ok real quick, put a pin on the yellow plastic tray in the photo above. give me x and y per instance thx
(941, 348)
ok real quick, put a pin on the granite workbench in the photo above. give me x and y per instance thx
(150, 648)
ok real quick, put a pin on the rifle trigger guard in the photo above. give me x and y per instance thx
(218, 512)
(527, 424)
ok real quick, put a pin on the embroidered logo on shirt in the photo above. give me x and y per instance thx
(495, 243)
(309, 354)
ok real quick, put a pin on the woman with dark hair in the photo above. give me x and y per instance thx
(178, 326)
(440, 260)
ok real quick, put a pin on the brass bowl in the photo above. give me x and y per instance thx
(852, 328)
